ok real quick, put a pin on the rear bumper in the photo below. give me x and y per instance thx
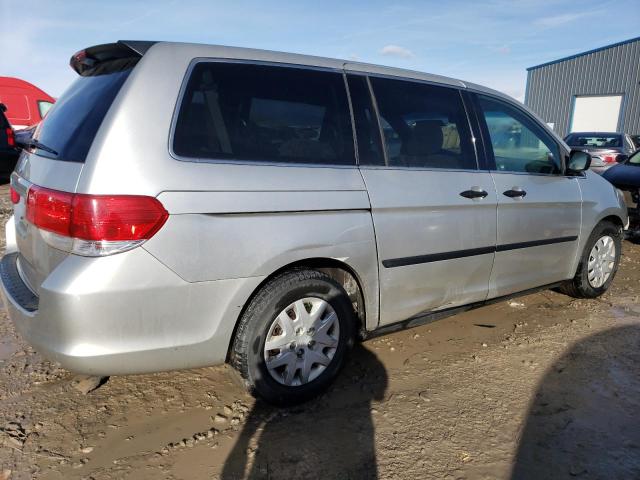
(122, 314)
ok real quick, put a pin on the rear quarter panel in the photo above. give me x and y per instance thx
(218, 241)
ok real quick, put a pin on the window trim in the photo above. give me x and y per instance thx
(230, 161)
(486, 138)
(465, 109)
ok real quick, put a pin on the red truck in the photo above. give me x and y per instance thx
(26, 104)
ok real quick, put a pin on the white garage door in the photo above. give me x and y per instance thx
(596, 113)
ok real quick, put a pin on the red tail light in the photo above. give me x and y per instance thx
(609, 157)
(11, 137)
(100, 218)
(116, 217)
(15, 196)
(49, 210)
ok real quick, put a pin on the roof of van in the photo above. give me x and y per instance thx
(240, 53)
(12, 82)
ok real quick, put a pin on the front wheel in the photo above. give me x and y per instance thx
(293, 337)
(598, 264)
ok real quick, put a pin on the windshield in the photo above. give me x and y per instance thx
(73, 121)
(594, 140)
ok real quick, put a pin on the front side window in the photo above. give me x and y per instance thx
(264, 113)
(424, 126)
(518, 143)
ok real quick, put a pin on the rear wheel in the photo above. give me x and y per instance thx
(293, 338)
(598, 264)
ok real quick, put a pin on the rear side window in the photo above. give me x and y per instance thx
(264, 113)
(424, 126)
(73, 121)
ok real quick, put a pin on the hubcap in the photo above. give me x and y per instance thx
(602, 260)
(302, 341)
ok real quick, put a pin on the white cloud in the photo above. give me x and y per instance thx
(397, 51)
(562, 19)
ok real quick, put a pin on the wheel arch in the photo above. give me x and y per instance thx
(338, 270)
(615, 219)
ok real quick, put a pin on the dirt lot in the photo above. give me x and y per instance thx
(541, 386)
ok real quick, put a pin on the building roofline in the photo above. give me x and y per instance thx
(571, 57)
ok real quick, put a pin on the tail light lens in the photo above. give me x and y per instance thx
(15, 196)
(609, 157)
(94, 225)
(11, 137)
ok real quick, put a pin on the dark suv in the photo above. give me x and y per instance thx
(9, 151)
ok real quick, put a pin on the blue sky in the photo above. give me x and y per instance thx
(490, 42)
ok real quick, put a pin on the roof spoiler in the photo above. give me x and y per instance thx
(108, 57)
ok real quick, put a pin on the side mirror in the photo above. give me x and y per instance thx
(3, 107)
(622, 158)
(579, 161)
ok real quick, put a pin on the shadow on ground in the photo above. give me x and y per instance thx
(584, 421)
(332, 437)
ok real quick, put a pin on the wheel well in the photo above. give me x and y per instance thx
(613, 219)
(338, 271)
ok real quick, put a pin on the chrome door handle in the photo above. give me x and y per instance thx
(474, 194)
(515, 192)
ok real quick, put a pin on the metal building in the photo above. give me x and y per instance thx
(598, 90)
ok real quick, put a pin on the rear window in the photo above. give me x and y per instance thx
(594, 140)
(264, 113)
(73, 121)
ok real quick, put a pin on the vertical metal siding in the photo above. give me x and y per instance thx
(616, 70)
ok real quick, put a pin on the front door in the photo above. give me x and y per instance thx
(539, 208)
(434, 210)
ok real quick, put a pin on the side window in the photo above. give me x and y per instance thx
(43, 107)
(518, 143)
(367, 130)
(424, 126)
(264, 113)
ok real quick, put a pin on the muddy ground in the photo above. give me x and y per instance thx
(542, 386)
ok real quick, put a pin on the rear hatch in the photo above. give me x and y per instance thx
(60, 146)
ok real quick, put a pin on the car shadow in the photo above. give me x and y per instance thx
(584, 421)
(330, 437)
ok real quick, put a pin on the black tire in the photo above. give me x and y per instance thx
(579, 286)
(247, 355)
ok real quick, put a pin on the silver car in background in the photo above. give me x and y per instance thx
(186, 205)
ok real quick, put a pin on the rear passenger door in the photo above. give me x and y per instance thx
(433, 208)
(539, 208)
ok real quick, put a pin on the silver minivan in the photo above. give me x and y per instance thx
(187, 205)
